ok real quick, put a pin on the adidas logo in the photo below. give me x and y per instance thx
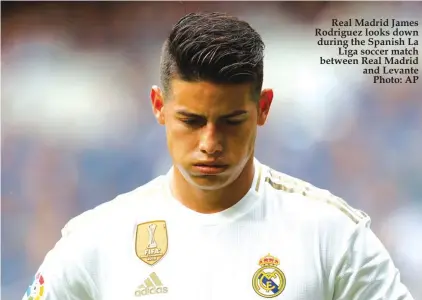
(152, 285)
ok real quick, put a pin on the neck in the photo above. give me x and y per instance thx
(213, 201)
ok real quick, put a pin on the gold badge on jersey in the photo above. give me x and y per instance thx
(151, 241)
(269, 281)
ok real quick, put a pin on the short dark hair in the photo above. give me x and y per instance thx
(213, 47)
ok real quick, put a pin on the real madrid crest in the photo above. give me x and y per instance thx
(151, 241)
(269, 281)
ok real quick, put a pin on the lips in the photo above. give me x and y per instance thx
(209, 168)
(216, 165)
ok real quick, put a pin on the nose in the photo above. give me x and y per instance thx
(210, 140)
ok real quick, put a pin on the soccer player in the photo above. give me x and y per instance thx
(220, 224)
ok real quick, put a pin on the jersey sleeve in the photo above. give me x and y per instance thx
(61, 275)
(365, 270)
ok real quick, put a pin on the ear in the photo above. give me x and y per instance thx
(264, 105)
(157, 103)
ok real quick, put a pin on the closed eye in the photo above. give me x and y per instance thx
(193, 122)
(234, 122)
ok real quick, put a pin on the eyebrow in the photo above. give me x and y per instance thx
(192, 115)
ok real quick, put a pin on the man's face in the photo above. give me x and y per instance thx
(210, 128)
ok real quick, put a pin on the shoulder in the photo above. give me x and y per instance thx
(90, 238)
(302, 198)
(118, 209)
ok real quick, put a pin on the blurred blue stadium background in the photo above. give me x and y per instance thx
(77, 127)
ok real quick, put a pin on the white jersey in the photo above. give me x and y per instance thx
(286, 239)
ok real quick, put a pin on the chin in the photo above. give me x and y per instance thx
(212, 182)
(209, 183)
